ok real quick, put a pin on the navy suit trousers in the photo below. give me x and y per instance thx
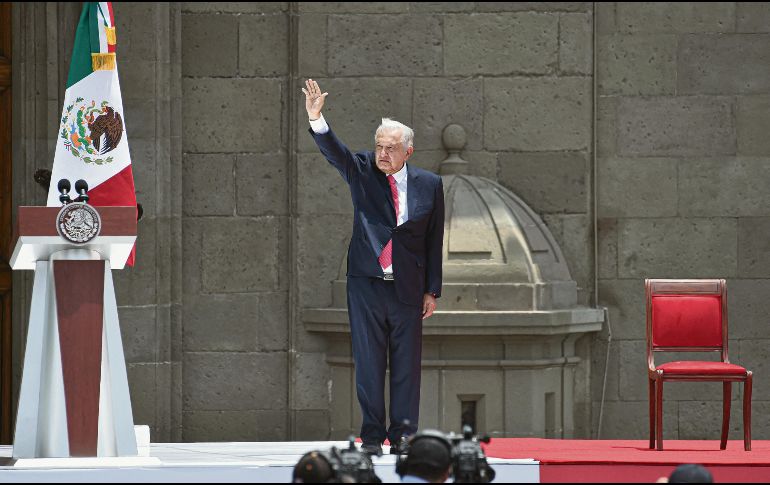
(383, 328)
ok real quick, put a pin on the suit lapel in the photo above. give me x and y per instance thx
(412, 191)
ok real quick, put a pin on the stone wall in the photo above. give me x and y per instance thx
(235, 180)
(682, 186)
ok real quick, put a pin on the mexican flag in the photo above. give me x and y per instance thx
(92, 144)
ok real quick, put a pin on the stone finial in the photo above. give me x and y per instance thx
(454, 138)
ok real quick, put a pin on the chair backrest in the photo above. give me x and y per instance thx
(686, 315)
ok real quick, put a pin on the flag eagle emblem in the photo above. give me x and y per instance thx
(90, 130)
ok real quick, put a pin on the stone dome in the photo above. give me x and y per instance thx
(498, 253)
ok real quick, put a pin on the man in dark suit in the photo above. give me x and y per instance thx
(394, 268)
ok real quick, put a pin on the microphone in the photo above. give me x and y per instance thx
(81, 187)
(64, 188)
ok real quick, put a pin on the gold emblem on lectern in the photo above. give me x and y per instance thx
(78, 223)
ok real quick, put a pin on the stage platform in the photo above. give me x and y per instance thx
(222, 462)
(632, 461)
(514, 460)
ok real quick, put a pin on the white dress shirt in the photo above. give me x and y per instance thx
(320, 127)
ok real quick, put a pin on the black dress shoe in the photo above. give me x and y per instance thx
(372, 449)
(399, 448)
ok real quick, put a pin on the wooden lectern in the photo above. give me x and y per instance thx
(74, 399)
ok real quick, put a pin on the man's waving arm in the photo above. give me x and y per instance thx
(331, 147)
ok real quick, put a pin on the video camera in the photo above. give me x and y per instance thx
(347, 466)
(469, 464)
(353, 464)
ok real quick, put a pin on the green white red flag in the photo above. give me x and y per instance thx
(92, 144)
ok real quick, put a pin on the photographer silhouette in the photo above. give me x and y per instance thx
(427, 458)
(431, 456)
(313, 467)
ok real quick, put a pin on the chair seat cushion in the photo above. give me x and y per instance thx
(701, 368)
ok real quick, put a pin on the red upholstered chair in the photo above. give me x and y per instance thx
(691, 316)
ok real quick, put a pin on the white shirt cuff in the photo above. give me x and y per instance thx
(319, 126)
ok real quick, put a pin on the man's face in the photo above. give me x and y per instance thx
(390, 153)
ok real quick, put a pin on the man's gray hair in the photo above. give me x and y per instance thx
(407, 134)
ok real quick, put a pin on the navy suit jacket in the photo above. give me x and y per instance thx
(417, 243)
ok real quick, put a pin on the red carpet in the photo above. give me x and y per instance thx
(632, 461)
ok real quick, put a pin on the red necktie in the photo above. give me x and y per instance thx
(386, 256)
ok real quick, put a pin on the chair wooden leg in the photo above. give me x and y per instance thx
(747, 412)
(652, 414)
(727, 394)
(659, 412)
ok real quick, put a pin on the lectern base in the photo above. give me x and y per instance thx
(74, 400)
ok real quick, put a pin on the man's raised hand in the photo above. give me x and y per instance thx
(314, 100)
